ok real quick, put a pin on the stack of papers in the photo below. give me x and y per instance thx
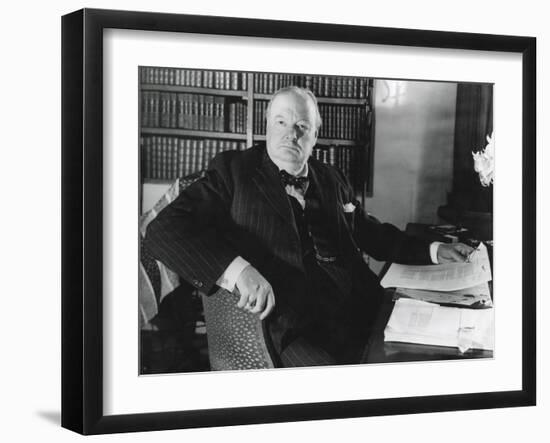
(414, 321)
(443, 305)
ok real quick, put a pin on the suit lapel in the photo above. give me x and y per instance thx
(328, 196)
(267, 180)
(326, 190)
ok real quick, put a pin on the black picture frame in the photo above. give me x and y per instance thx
(82, 231)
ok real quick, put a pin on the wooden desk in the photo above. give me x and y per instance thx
(389, 352)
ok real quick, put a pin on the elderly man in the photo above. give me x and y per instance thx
(287, 233)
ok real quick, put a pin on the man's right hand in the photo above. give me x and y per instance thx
(256, 292)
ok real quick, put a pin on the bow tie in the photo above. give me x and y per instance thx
(299, 183)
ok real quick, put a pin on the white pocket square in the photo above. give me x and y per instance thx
(349, 207)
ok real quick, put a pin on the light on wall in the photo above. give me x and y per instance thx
(393, 91)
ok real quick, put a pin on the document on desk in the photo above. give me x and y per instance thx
(476, 297)
(414, 321)
(444, 277)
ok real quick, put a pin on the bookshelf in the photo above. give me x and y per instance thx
(187, 116)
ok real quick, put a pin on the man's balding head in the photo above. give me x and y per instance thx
(293, 122)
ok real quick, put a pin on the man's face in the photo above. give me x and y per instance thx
(291, 131)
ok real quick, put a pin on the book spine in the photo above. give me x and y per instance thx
(215, 147)
(158, 157)
(227, 80)
(332, 155)
(263, 116)
(172, 76)
(145, 108)
(207, 153)
(338, 90)
(270, 83)
(211, 79)
(171, 163)
(197, 79)
(165, 159)
(243, 118)
(163, 110)
(353, 122)
(231, 117)
(218, 106)
(200, 113)
(194, 121)
(181, 158)
(330, 112)
(200, 156)
(256, 118)
(181, 111)
(194, 155)
(187, 152)
(151, 148)
(173, 109)
(339, 122)
(147, 155)
(154, 114)
(209, 113)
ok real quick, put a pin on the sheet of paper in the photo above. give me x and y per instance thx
(444, 277)
(414, 321)
(476, 297)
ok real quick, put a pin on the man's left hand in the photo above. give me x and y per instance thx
(453, 252)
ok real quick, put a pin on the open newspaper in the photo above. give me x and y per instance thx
(443, 305)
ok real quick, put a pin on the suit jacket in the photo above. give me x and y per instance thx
(241, 208)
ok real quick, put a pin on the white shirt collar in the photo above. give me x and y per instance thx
(302, 173)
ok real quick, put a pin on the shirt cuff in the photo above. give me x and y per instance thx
(434, 246)
(229, 278)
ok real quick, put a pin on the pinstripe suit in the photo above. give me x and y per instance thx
(241, 208)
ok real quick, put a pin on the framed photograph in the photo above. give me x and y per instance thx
(185, 303)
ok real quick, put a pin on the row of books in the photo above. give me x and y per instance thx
(338, 121)
(236, 121)
(258, 119)
(197, 78)
(264, 82)
(192, 111)
(341, 157)
(321, 86)
(342, 122)
(168, 158)
(214, 113)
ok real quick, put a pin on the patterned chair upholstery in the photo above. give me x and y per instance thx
(235, 337)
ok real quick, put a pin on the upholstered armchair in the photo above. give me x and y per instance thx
(235, 337)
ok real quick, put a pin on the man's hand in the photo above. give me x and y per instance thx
(453, 252)
(256, 292)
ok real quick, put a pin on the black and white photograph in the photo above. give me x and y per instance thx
(295, 220)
